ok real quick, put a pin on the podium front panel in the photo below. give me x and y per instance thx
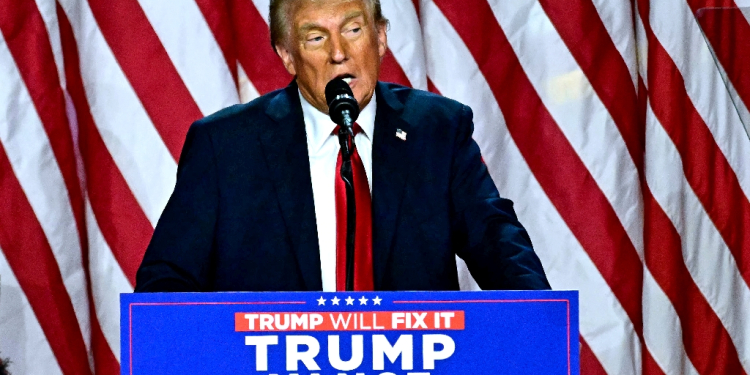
(381, 333)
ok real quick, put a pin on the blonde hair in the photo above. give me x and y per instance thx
(278, 18)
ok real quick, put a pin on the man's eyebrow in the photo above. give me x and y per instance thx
(352, 15)
(309, 26)
(306, 27)
(313, 25)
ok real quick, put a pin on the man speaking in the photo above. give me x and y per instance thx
(267, 199)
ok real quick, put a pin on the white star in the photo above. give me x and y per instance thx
(349, 301)
(335, 301)
(322, 301)
(376, 300)
(363, 301)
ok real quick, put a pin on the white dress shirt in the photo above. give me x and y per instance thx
(323, 150)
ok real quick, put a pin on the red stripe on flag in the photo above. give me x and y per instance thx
(650, 367)
(578, 24)
(121, 220)
(28, 42)
(553, 161)
(30, 257)
(642, 103)
(729, 33)
(588, 40)
(707, 342)
(30, 45)
(105, 362)
(148, 68)
(220, 22)
(431, 87)
(590, 365)
(707, 171)
(391, 71)
(261, 64)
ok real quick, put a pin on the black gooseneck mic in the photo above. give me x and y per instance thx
(344, 110)
(342, 106)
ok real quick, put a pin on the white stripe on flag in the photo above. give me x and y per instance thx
(577, 110)
(48, 10)
(676, 28)
(107, 282)
(706, 255)
(248, 92)
(34, 165)
(604, 323)
(262, 6)
(617, 17)
(22, 339)
(192, 47)
(745, 4)
(455, 74)
(130, 136)
(662, 331)
(405, 40)
(453, 71)
(641, 47)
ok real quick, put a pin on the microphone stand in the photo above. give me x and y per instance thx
(346, 140)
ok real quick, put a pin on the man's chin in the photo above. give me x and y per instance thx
(364, 98)
(365, 101)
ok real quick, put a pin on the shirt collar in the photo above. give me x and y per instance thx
(319, 125)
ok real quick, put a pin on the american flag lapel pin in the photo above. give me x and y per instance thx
(401, 134)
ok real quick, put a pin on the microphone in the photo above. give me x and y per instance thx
(344, 110)
(342, 106)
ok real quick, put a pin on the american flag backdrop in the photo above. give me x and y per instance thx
(618, 127)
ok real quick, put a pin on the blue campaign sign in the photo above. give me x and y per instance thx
(373, 333)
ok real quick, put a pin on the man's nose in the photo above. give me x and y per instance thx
(339, 49)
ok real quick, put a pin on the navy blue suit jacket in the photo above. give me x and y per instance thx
(242, 216)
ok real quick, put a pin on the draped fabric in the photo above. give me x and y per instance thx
(618, 128)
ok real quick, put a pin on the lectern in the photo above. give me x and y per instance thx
(380, 333)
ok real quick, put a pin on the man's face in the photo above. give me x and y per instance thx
(330, 39)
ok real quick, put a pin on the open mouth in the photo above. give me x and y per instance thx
(346, 77)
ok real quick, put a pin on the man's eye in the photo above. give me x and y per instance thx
(353, 30)
(315, 41)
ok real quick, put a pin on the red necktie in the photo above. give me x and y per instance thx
(363, 280)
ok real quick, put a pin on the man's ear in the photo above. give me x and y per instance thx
(286, 58)
(382, 40)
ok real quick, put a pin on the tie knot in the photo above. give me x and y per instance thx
(355, 128)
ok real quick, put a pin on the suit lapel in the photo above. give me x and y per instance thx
(285, 147)
(390, 171)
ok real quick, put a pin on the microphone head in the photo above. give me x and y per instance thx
(340, 98)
